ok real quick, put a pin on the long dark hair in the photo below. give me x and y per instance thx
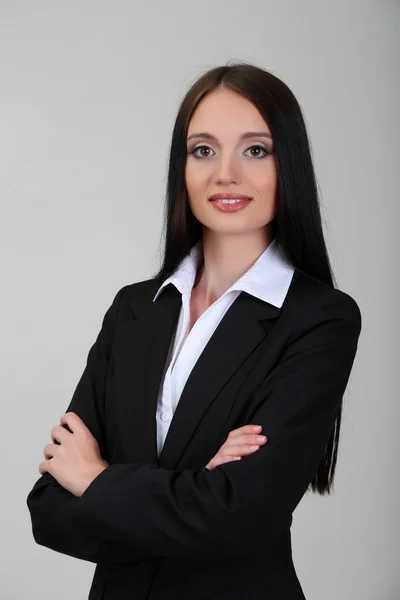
(297, 226)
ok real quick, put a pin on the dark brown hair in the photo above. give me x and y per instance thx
(297, 227)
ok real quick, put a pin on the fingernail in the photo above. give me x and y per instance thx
(256, 427)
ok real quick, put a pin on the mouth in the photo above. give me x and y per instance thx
(231, 201)
(231, 205)
(228, 198)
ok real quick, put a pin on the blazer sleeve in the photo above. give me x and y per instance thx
(239, 506)
(52, 507)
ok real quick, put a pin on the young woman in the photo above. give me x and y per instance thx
(157, 472)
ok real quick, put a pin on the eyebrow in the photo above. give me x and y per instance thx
(248, 134)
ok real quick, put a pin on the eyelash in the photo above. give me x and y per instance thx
(267, 152)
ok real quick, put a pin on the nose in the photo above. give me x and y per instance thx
(227, 170)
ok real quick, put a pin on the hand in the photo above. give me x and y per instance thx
(76, 461)
(240, 442)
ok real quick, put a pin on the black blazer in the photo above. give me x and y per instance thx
(166, 528)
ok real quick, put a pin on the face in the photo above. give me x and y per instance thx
(224, 161)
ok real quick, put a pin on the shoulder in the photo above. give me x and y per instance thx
(132, 291)
(130, 294)
(315, 301)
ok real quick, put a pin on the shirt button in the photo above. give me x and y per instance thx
(165, 416)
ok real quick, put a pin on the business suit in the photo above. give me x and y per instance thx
(164, 527)
(268, 279)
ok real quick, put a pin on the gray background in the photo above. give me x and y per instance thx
(89, 92)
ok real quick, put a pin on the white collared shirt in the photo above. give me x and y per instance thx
(268, 279)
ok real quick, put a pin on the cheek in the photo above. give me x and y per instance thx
(265, 179)
(195, 177)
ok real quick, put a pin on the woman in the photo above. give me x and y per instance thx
(241, 327)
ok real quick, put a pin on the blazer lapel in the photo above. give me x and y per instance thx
(243, 327)
(143, 346)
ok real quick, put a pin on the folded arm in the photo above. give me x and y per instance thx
(239, 506)
(52, 508)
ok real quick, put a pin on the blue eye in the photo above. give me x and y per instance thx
(265, 150)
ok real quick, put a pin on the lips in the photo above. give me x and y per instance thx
(229, 197)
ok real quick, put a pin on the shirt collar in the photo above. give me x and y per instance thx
(268, 278)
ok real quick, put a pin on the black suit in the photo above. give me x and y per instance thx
(166, 528)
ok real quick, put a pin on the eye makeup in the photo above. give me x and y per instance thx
(266, 151)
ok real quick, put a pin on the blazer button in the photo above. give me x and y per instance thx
(165, 416)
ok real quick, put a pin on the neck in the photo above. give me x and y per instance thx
(226, 258)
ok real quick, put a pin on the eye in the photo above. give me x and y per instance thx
(199, 148)
(257, 147)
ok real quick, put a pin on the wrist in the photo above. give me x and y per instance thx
(95, 472)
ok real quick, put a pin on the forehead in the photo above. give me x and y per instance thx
(226, 112)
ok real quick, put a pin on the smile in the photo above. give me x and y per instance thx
(230, 205)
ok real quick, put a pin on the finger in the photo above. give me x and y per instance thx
(245, 429)
(50, 450)
(74, 422)
(249, 439)
(59, 434)
(220, 460)
(240, 450)
(44, 467)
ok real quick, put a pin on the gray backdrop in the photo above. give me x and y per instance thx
(89, 90)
